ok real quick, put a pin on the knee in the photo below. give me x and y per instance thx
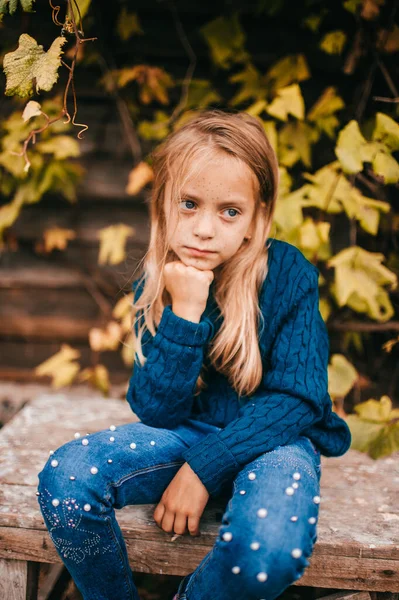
(67, 479)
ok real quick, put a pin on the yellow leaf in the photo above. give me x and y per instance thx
(386, 166)
(29, 63)
(374, 410)
(386, 131)
(57, 237)
(123, 306)
(333, 42)
(359, 277)
(389, 43)
(156, 130)
(61, 367)
(295, 140)
(289, 100)
(290, 69)
(139, 177)
(98, 377)
(271, 134)
(127, 352)
(342, 376)
(83, 8)
(252, 86)
(200, 94)
(312, 235)
(113, 242)
(105, 339)
(322, 112)
(226, 40)
(32, 109)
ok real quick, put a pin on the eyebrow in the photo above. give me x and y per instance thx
(238, 201)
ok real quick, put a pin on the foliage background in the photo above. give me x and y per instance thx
(320, 75)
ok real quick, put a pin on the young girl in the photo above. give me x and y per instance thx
(229, 383)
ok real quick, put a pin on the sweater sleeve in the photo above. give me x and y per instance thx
(290, 398)
(161, 392)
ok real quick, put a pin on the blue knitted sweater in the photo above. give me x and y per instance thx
(292, 399)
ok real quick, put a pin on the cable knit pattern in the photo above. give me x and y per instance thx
(292, 399)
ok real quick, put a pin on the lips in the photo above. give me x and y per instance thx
(198, 250)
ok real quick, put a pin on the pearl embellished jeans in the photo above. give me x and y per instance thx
(266, 534)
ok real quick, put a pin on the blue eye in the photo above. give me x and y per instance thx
(192, 202)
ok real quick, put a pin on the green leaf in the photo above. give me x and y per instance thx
(83, 8)
(375, 428)
(30, 62)
(386, 166)
(295, 141)
(61, 146)
(156, 130)
(290, 69)
(289, 100)
(333, 42)
(359, 277)
(10, 6)
(386, 131)
(353, 149)
(252, 85)
(342, 376)
(128, 24)
(322, 112)
(226, 40)
(201, 94)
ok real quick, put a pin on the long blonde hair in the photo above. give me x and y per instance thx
(234, 350)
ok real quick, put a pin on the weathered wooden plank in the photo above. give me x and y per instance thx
(18, 579)
(357, 546)
(347, 596)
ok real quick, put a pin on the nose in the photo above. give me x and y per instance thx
(204, 226)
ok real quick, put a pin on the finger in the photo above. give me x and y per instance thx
(193, 526)
(167, 521)
(158, 513)
(180, 523)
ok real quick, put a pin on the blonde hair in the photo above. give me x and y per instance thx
(234, 350)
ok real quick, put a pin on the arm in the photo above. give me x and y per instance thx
(291, 397)
(161, 393)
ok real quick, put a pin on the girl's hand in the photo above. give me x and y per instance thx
(188, 286)
(182, 503)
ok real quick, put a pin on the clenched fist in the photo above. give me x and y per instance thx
(188, 287)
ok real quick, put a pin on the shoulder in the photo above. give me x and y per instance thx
(287, 263)
(289, 277)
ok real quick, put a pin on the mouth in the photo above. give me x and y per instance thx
(199, 252)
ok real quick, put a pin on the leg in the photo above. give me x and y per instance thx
(268, 530)
(86, 478)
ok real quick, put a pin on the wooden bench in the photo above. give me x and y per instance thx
(358, 531)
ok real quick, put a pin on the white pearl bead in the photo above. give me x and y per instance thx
(261, 576)
(316, 499)
(55, 502)
(296, 553)
(37, 493)
(112, 427)
(227, 536)
(109, 460)
(289, 491)
(312, 520)
(152, 443)
(72, 478)
(262, 512)
(242, 492)
(85, 442)
(87, 507)
(51, 452)
(295, 485)
(236, 570)
(294, 518)
(252, 475)
(54, 463)
(296, 475)
(133, 445)
(94, 470)
(255, 546)
(77, 435)
(111, 439)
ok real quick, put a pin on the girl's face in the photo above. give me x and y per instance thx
(214, 213)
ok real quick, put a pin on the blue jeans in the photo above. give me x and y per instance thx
(266, 534)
